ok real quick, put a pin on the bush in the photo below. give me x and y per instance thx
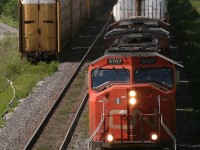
(2, 3)
(10, 9)
(9, 12)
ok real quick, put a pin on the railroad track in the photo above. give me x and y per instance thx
(39, 131)
(70, 132)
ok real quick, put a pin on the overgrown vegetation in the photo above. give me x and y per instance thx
(186, 26)
(24, 75)
(9, 12)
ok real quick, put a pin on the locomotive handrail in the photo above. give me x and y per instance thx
(131, 49)
(107, 85)
(144, 45)
(95, 132)
(164, 125)
(120, 32)
(103, 86)
(141, 21)
(100, 124)
(103, 117)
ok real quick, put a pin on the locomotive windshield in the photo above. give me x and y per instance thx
(100, 76)
(161, 76)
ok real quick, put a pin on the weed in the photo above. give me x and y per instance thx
(23, 73)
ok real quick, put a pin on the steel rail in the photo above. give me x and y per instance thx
(70, 132)
(46, 119)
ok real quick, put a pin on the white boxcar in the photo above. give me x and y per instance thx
(126, 9)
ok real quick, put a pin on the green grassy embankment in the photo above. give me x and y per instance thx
(25, 75)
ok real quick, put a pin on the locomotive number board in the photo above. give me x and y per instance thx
(148, 60)
(115, 61)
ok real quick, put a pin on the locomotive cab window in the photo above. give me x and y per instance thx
(161, 76)
(100, 76)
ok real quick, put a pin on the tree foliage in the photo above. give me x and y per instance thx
(2, 3)
(9, 8)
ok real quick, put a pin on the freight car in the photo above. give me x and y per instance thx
(126, 9)
(132, 87)
(148, 17)
(46, 26)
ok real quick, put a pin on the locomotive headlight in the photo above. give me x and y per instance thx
(154, 137)
(109, 137)
(132, 93)
(132, 101)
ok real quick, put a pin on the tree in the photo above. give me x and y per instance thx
(2, 3)
(10, 9)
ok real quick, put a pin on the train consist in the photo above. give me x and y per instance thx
(46, 26)
(132, 87)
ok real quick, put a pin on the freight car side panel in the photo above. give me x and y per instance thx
(91, 6)
(126, 9)
(76, 16)
(48, 25)
(84, 11)
(47, 28)
(97, 3)
(64, 9)
(39, 26)
(30, 27)
(154, 9)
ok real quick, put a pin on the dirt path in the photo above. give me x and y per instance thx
(6, 30)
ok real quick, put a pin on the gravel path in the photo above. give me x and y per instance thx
(7, 30)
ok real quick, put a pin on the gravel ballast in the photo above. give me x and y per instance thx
(27, 116)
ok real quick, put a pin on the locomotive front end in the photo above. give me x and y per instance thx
(129, 105)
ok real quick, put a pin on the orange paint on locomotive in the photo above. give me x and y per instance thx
(125, 122)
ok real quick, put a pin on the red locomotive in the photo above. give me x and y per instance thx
(132, 87)
(132, 100)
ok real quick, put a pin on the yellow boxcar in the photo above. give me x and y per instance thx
(46, 26)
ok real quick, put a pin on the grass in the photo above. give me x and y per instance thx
(72, 99)
(84, 121)
(25, 75)
(7, 20)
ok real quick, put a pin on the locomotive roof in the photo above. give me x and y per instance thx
(140, 21)
(136, 35)
(150, 45)
(135, 40)
(144, 20)
(138, 48)
(137, 53)
(125, 31)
